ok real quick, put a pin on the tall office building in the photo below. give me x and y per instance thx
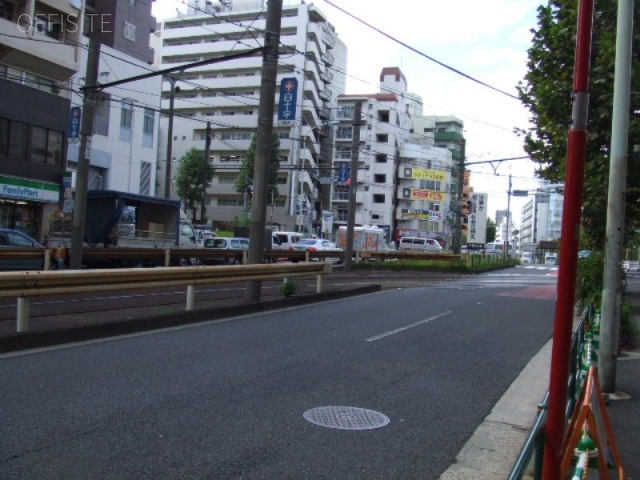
(227, 95)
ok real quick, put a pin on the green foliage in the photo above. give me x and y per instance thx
(189, 180)
(589, 280)
(629, 332)
(245, 175)
(491, 230)
(547, 92)
(288, 288)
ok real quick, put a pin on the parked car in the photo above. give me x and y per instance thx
(288, 239)
(225, 243)
(551, 258)
(527, 258)
(584, 253)
(317, 245)
(419, 244)
(15, 239)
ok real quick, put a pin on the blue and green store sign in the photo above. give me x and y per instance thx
(30, 190)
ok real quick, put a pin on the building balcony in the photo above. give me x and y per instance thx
(328, 58)
(325, 94)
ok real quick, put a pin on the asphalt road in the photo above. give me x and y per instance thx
(226, 400)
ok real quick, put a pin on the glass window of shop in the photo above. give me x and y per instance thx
(18, 216)
(39, 145)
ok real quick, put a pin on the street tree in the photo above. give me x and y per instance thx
(190, 179)
(244, 181)
(491, 230)
(546, 91)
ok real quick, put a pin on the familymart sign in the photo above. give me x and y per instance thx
(22, 189)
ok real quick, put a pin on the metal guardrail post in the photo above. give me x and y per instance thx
(47, 259)
(191, 297)
(319, 283)
(22, 321)
(167, 258)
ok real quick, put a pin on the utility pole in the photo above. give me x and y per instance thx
(457, 213)
(205, 171)
(611, 294)
(506, 249)
(84, 153)
(353, 184)
(264, 143)
(167, 178)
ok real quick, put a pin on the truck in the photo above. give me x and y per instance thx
(127, 220)
(368, 238)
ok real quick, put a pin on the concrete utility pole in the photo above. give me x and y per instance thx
(353, 184)
(167, 178)
(612, 290)
(457, 212)
(205, 172)
(263, 143)
(84, 153)
(507, 246)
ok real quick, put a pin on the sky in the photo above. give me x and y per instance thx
(487, 40)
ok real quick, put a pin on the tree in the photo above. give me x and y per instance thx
(491, 230)
(189, 180)
(244, 181)
(546, 92)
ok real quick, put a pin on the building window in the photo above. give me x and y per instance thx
(4, 137)
(145, 178)
(129, 31)
(380, 178)
(126, 114)
(149, 118)
(378, 198)
(19, 140)
(230, 202)
(101, 115)
(281, 181)
(430, 185)
(54, 148)
(226, 179)
(383, 116)
(131, 2)
(381, 158)
(39, 145)
(343, 153)
(342, 214)
(382, 138)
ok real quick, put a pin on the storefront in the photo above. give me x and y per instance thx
(28, 205)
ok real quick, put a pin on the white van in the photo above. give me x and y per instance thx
(287, 239)
(420, 244)
(550, 258)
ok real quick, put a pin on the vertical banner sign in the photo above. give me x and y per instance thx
(477, 232)
(287, 103)
(344, 172)
(74, 124)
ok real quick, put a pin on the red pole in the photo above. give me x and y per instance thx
(569, 243)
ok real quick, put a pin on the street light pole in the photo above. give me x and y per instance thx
(205, 172)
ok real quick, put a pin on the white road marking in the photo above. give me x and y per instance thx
(406, 327)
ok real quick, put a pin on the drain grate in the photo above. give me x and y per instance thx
(346, 418)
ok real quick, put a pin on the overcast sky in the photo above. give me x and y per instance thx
(484, 39)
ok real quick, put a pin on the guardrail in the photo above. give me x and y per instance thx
(533, 447)
(24, 285)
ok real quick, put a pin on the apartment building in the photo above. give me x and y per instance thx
(227, 95)
(404, 179)
(541, 218)
(39, 53)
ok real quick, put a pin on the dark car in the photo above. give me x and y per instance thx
(16, 239)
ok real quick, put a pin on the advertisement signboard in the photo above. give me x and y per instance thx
(477, 232)
(287, 102)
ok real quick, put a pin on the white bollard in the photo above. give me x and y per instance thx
(22, 323)
(191, 297)
(319, 284)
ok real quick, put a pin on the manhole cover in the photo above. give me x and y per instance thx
(346, 418)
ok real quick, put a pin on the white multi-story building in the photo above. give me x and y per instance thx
(227, 95)
(541, 218)
(124, 145)
(404, 181)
